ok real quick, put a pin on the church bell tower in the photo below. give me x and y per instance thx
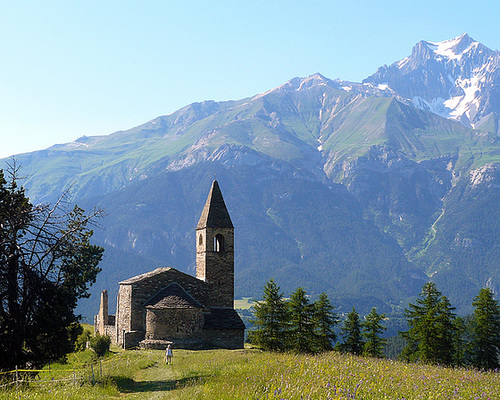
(215, 249)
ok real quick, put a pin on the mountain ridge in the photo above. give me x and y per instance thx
(457, 78)
(337, 186)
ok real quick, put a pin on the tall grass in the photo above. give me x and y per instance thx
(252, 374)
(76, 379)
(256, 375)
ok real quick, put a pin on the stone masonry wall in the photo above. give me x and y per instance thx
(226, 339)
(131, 339)
(216, 267)
(110, 330)
(123, 312)
(132, 314)
(173, 324)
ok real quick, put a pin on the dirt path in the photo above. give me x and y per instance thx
(155, 382)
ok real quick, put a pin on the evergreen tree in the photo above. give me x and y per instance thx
(271, 319)
(325, 320)
(460, 342)
(430, 337)
(46, 265)
(445, 328)
(301, 313)
(486, 330)
(351, 333)
(372, 329)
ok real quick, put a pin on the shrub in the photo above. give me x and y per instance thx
(100, 344)
(81, 341)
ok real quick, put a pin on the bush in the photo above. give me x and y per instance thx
(100, 344)
(81, 341)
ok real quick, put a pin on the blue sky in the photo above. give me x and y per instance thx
(73, 68)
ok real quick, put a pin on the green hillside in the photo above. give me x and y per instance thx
(251, 374)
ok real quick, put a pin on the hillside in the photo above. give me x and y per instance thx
(335, 186)
(251, 374)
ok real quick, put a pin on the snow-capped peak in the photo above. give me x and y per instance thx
(453, 48)
(457, 78)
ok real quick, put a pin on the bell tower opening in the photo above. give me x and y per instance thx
(219, 243)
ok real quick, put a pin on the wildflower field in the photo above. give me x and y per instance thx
(252, 374)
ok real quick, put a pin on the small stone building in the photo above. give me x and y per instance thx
(167, 305)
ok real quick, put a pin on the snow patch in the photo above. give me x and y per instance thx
(301, 87)
(75, 144)
(467, 103)
(320, 141)
(437, 106)
(432, 46)
(403, 62)
(445, 48)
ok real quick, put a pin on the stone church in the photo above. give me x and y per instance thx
(167, 305)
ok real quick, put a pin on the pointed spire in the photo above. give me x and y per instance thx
(215, 214)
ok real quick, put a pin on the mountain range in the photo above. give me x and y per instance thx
(362, 190)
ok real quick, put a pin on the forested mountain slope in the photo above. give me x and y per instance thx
(334, 186)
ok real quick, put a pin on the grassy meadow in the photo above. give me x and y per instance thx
(252, 374)
(245, 303)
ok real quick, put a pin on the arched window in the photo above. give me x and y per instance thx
(200, 241)
(219, 243)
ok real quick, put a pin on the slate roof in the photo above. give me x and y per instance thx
(173, 296)
(215, 214)
(223, 318)
(152, 274)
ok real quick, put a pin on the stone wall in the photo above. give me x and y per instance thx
(135, 292)
(101, 319)
(226, 338)
(131, 339)
(173, 324)
(123, 312)
(110, 330)
(104, 324)
(136, 323)
(216, 267)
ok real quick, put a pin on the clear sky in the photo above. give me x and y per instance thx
(81, 67)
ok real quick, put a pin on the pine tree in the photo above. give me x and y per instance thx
(445, 327)
(351, 333)
(271, 319)
(301, 334)
(372, 329)
(430, 337)
(460, 341)
(325, 320)
(486, 330)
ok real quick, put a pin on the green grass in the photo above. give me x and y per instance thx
(245, 303)
(252, 374)
(258, 375)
